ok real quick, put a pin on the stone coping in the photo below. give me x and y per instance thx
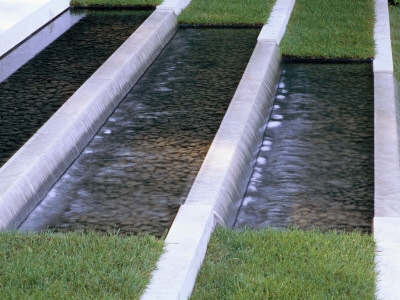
(215, 196)
(27, 176)
(386, 227)
(21, 18)
(277, 22)
(176, 5)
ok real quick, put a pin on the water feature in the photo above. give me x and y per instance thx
(27, 50)
(31, 94)
(139, 168)
(315, 166)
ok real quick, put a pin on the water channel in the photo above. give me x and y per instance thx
(315, 166)
(139, 168)
(37, 86)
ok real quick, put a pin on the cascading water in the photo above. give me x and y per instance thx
(139, 167)
(30, 96)
(315, 166)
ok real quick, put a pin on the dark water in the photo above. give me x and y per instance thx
(315, 167)
(32, 94)
(140, 166)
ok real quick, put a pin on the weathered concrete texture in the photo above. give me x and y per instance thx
(219, 186)
(31, 172)
(20, 18)
(387, 164)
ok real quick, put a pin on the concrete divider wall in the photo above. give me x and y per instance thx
(31, 172)
(219, 187)
(387, 161)
(220, 184)
(225, 172)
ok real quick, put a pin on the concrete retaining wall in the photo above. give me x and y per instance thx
(31, 172)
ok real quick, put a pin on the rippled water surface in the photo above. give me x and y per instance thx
(32, 94)
(140, 166)
(315, 166)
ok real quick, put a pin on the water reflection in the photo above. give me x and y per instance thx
(315, 167)
(140, 166)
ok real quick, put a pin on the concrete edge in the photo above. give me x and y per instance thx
(219, 186)
(383, 58)
(277, 22)
(28, 25)
(387, 239)
(176, 5)
(27, 177)
(386, 227)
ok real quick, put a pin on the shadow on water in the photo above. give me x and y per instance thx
(315, 166)
(139, 168)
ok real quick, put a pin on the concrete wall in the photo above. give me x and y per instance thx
(27, 177)
(387, 161)
(220, 184)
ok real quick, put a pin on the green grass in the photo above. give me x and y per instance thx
(330, 29)
(226, 12)
(289, 264)
(395, 36)
(115, 2)
(76, 265)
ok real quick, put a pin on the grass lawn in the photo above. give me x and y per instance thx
(330, 29)
(226, 12)
(115, 2)
(289, 264)
(395, 36)
(76, 265)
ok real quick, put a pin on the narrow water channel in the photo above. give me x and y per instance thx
(139, 168)
(32, 93)
(315, 166)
